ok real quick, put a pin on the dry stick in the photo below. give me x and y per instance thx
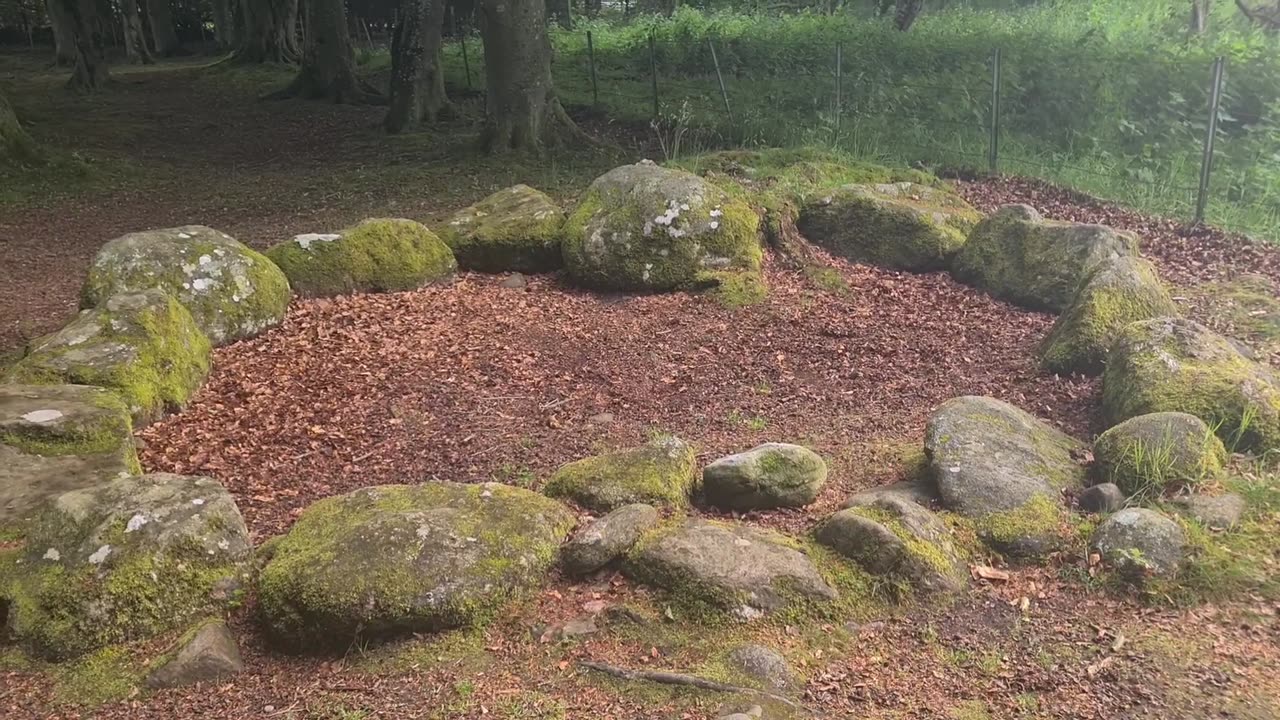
(671, 678)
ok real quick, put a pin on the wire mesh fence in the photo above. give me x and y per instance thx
(962, 112)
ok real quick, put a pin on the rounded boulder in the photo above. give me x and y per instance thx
(772, 475)
(1149, 455)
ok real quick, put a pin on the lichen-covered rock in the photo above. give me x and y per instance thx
(899, 541)
(394, 560)
(1018, 256)
(205, 655)
(57, 438)
(144, 346)
(231, 291)
(920, 491)
(604, 540)
(768, 476)
(1004, 468)
(662, 473)
(1140, 543)
(763, 665)
(516, 229)
(124, 561)
(379, 255)
(902, 226)
(1216, 512)
(645, 227)
(744, 570)
(1118, 292)
(1102, 498)
(1177, 365)
(1156, 453)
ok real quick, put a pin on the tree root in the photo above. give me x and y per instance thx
(682, 680)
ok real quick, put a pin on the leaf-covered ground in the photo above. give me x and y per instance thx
(474, 381)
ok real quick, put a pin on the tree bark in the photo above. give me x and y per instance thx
(89, 30)
(328, 69)
(164, 37)
(1267, 16)
(417, 84)
(16, 146)
(906, 13)
(224, 25)
(64, 37)
(135, 40)
(522, 111)
(1199, 16)
(270, 33)
(562, 11)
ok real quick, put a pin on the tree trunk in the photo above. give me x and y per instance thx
(224, 25)
(16, 146)
(90, 41)
(1199, 16)
(906, 13)
(328, 61)
(521, 110)
(417, 84)
(562, 11)
(135, 40)
(163, 35)
(270, 33)
(64, 37)
(1266, 16)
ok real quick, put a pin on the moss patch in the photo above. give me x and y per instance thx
(663, 472)
(95, 421)
(1150, 455)
(516, 229)
(380, 255)
(104, 676)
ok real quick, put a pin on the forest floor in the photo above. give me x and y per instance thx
(475, 381)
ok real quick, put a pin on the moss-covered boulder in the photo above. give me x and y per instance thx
(57, 438)
(394, 560)
(124, 561)
(767, 476)
(899, 541)
(1140, 544)
(645, 227)
(144, 346)
(746, 571)
(516, 229)
(231, 291)
(608, 538)
(1177, 365)
(902, 226)
(1018, 256)
(1118, 292)
(1003, 468)
(1149, 455)
(377, 255)
(662, 473)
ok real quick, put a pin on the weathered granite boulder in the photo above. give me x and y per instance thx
(1140, 543)
(608, 538)
(768, 476)
(1152, 454)
(899, 541)
(516, 229)
(662, 472)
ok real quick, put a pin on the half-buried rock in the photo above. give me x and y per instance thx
(124, 561)
(747, 571)
(645, 227)
(1140, 543)
(206, 654)
(393, 560)
(1177, 365)
(1118, 292)
(1018, 256)
(516, 229)
(604, 540)
(231, 291)
(1003, 468)
(58, 438)
(899, 541)
(663, 473)
(1150, 455)
(380, 255)
(902, 226)
(144, 346)
(772, 475)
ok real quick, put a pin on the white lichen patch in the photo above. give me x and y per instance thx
(42, 416)
(52, 555)
(306, 240)
(198, 501)
(100, 555)
(136, 522)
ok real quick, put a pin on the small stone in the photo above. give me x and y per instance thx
(768, 476)
(1104, 498)
(764, 664)
(570, 630)
(209, 655)
(919, 492)
(755, 712)
(607, 539)
(1216, 512)
(601, 419)
(662, 472)
(514, 281)
(897, 540)
(1140, 543)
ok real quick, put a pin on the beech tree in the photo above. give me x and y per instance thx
(328, 69)
(1199, 16)
(269, 32)
(64, 37)
(224, 24)
(89, 35)
(906, 12)
(1266, 15)
(417, 84)
(135, 40)
(522, 111)
(164, 36)
(16, 145)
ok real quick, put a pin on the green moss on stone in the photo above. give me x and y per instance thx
(1038, 527)
(516, 229)
(663, 472)
(1149, 455)
(380, 255)
(733, 290)
(107, 675)
(929, 553)
(109, 431)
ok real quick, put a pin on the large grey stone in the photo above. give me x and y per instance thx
(897, 540)
(1217, 512)
(1151, 454)
(207, 655)
(517, 228)
(1140, 543)
(604, 540)
(768, 476)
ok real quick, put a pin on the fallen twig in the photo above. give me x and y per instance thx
(673, 678)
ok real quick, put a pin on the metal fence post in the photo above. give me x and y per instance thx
(839, 89)
(591, 61)
(1211, 135)
(653, 71)
(720, 79)
(993, 159)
